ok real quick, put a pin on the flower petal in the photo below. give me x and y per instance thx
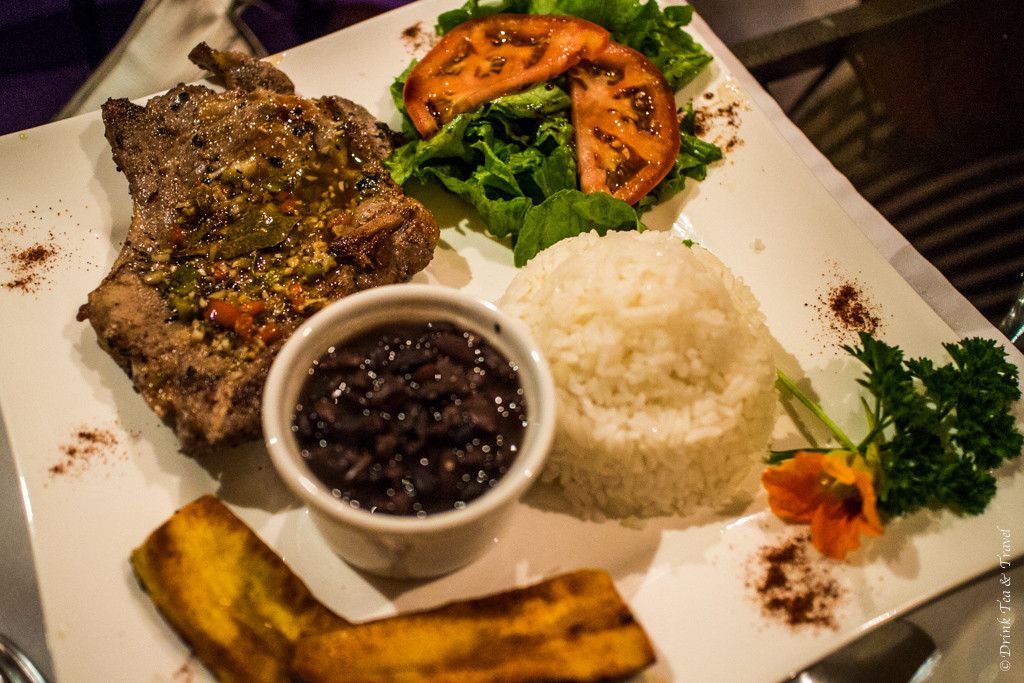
(794, 486)
(832, 493)
(870, 523)
(833, 531)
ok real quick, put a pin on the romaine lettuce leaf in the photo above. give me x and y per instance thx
(694, 156)
(514, 158)
(568, 213)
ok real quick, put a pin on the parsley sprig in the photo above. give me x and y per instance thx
(935, 432)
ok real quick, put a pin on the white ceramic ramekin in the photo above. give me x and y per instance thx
(408, 546)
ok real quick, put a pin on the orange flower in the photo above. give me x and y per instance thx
(833, 491)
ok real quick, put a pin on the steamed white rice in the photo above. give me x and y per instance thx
(664, 371)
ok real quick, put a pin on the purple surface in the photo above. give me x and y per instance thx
(281, 24)
(49, 49)
(51, 46)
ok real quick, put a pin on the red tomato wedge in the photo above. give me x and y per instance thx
(624, 113)
(485, 58)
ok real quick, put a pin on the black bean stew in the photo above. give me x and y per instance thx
(411, 419)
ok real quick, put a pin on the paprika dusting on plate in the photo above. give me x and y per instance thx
(845, 308)
(850, 307)
(28, 266)
(795, 585)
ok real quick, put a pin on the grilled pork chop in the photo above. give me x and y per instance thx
(253, 208)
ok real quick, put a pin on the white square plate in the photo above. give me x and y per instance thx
(99, 471)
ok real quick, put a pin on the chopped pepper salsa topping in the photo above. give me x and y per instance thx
(250, 243)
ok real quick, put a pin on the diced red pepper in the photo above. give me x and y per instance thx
(339, 221)
(269, 332)
(295, 295)
(243, 327)
(220, 270)
(253, 308)
(287, 203)
(222, 313)
(177, 236)
(231, 317)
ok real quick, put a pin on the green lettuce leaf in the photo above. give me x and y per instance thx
(568, 213)
(514, 159)
(503, 158)
(692, 162)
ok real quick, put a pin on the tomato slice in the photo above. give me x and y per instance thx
(485, 58)
(627, 133)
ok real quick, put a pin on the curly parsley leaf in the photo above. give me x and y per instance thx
(940, 430)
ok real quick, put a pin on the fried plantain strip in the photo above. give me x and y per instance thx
(227, 594)
(573, 628)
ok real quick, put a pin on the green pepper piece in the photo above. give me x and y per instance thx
(254, 231)
(310, 271)
(184, 280)
(184, 306)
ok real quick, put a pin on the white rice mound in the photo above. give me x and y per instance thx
(663, 367)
